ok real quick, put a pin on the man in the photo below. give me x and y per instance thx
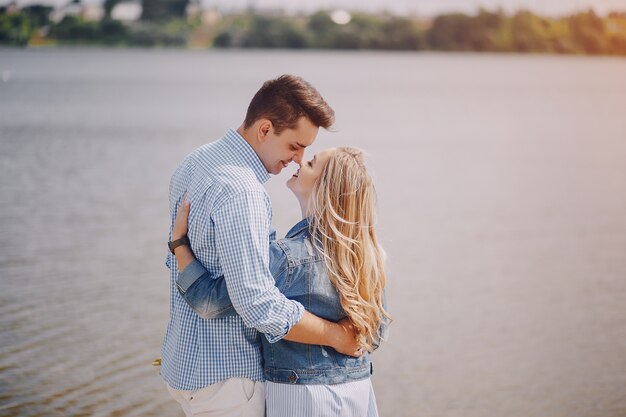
(214, 367)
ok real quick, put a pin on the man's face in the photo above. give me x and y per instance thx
(277, 151)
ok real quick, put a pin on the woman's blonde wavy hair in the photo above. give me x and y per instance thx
(342, 222)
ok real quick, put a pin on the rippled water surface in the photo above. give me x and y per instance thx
(502, 202)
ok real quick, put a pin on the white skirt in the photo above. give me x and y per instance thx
(353, 399)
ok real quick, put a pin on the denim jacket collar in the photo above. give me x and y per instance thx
(248, 155)
(298, 228)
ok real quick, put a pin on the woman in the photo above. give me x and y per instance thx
(330, 262)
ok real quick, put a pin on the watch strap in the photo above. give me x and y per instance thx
(173, 244)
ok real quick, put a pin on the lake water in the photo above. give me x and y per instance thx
(502, 206)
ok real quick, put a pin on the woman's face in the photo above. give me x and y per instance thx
(301, 183)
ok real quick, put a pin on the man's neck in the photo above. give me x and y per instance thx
(247, 136)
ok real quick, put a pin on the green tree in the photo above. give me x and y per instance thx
(73, 28)
(459, 32)
(15, 29)
(161, 10)
(108, 6)
(322, 29)
(366, 29)
(38, 14)
(223, 39)
(113, 32)
(449, 32)
(400, 33)
(530, 33)
(274, 32)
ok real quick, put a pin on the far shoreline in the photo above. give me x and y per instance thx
(492, 32)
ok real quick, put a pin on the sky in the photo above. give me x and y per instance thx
(417, 7)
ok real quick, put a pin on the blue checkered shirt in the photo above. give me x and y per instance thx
(229, 229)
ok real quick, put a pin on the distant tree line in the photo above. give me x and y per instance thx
(163, 23)
(320, 31)
(580, 33)
(524, 31)
(73, 30)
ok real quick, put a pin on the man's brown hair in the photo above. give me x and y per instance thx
(285, 100)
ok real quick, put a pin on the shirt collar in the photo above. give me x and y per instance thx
(298, 228)
(243, 148)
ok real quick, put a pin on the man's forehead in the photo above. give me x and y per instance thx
(304, 141)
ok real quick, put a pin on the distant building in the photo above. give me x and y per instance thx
(211, 16)
(89, 12)
(92, 12)
(72, 8)
(128, 11)
(208, 16)
(12, 8)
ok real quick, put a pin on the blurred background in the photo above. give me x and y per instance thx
(552, 26)
(495, 132)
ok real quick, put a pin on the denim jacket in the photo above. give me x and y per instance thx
(300, 274)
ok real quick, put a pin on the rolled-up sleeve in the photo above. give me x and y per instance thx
(190, 275)
(242, 233)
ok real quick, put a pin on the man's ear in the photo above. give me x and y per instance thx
(264, 128)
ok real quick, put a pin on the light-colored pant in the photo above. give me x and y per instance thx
(234, 397)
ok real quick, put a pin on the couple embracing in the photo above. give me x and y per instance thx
(260, 326)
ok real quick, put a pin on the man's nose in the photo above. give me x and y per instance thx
(298, 155)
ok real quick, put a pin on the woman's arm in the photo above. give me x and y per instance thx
(207, 296)
(183, 253)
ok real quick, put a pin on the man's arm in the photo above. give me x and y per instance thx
(208, 297)
(242, 240)
(314, 330)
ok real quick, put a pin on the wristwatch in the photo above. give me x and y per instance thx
(173, 244)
